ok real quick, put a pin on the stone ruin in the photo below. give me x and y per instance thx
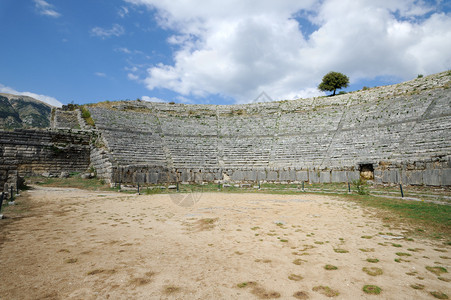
(391, 134)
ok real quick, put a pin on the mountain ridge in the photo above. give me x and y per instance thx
(18, 111)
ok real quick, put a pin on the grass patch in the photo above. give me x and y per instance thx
(100, 271)
(139, 281)
(366, 236)
(366, 249)
(259, 291)
(246, 284)
(437, 270)
(171, 289)
(443, 279)
(330, 267)
(415, 249)
(71, 260)
(338, 250)
(300, 295)
(295, 277)
(403, 254)
(439, 295)
(396, 245)
(206, 224)
(372, 289)
(326, 291)
(372, 260)
(417, 286)
(433, 219)
(298, 261)
(372, 271)
(264, 294)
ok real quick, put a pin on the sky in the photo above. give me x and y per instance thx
(214, 52)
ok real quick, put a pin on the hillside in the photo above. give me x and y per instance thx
(23, 112)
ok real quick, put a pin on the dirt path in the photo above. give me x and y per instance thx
(95, 245)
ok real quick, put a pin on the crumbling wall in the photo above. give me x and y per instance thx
(36, 152)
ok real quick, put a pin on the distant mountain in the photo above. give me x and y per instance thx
(23, 112)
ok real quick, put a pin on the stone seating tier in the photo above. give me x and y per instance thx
(406, 122)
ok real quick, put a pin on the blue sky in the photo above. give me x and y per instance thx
(214, 52)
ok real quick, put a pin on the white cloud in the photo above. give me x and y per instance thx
(152, 99)
(116, 30)
(122, 12)
(100, 74)
(46, 9)
(43, 98)
(240, 48)
(132, 76)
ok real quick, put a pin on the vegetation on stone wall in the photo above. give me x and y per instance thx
(86, 115)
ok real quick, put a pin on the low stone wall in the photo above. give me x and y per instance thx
(35, 152)
(432, 172)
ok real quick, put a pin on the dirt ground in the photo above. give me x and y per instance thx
(74, 244)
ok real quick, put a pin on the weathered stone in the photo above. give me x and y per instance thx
(446, 177)
(339, 176)
(432, 177)
(301, 176)
(324, 177)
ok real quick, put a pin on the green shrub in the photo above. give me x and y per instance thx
(361, 186)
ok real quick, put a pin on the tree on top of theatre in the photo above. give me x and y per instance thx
(333, 81)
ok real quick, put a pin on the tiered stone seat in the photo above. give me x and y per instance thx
(192, 152)
(408, 121)
(132, 137)
(66, 119)
(306, 150)
(194, 125)
(246, 151)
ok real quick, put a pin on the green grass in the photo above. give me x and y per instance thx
(432, 216)
(330, 267)
(326, 291)
(372, 271)
(439, 295)
(437, 270)
(372, 289)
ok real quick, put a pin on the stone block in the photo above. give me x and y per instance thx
(250, 175)
(378, 176)
(198, 177)
(140, 177)
(314, 176)
(353, 175)
(272, 175)
(446, 177)
(339, 176)
(414, 177)
(237, 175)
(209, 176)
(301, 175)
(432, 177)
(153, 178)
(261, 175)
(284, 175)
(324, 176)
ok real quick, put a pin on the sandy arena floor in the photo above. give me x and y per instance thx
(75, 244)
